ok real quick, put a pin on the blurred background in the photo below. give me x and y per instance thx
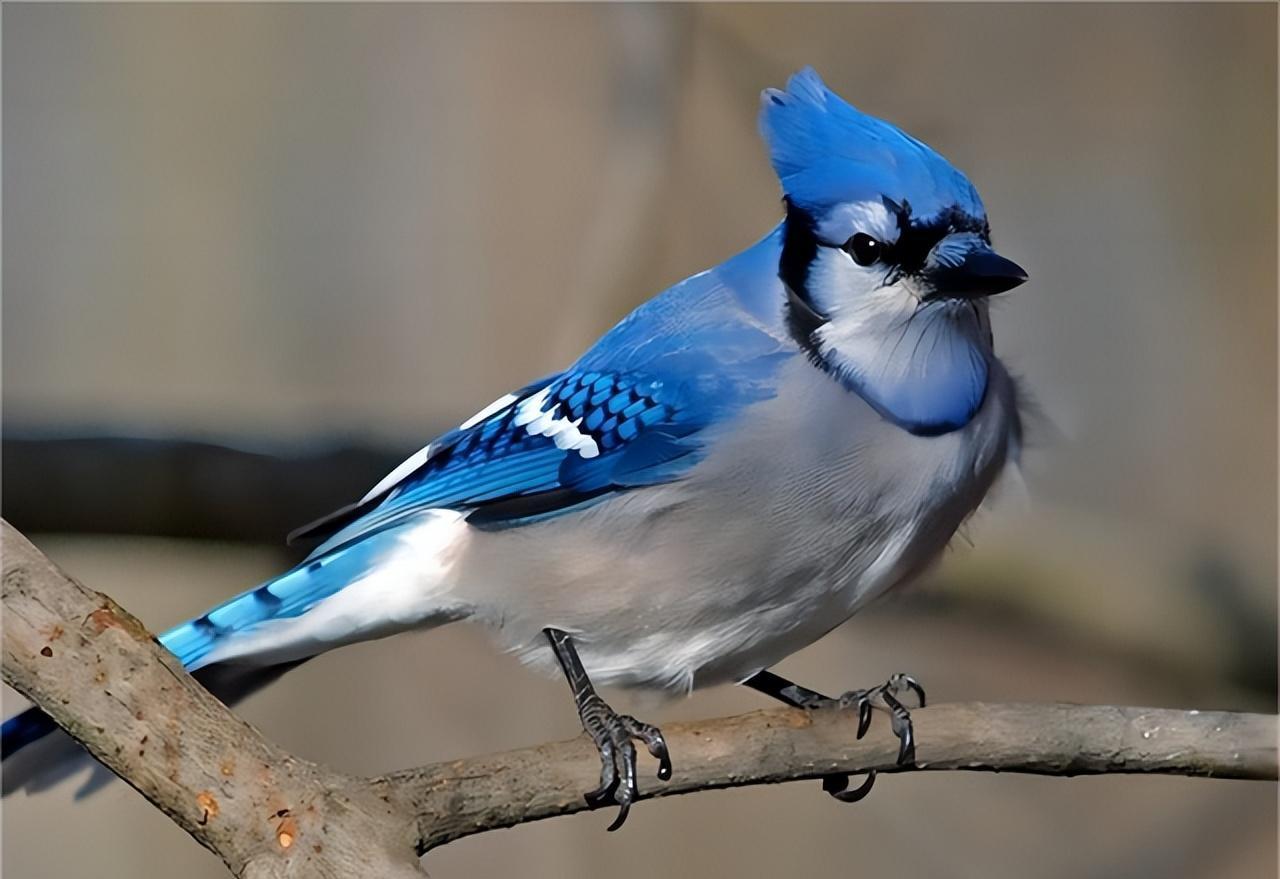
(254, 255)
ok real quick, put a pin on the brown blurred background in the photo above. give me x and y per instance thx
(252, 254)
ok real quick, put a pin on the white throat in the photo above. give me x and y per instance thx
(923, 365)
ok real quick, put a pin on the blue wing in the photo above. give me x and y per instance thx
(637, 409)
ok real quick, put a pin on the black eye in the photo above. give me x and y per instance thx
(864, 249)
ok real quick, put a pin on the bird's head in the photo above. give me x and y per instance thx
(884, 240)
(871, 211)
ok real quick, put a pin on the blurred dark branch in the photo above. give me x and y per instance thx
(175, 487)
(104, 679)
(258, 490)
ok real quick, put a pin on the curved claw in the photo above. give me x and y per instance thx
(613, 735)
(864, 717)
(653, 740)
(907, 750)
(664, 760)
(900, 721)
(623, 810)
(837, 786)
(907, 682)
(627, 790)
(608, 777)
(882, 697)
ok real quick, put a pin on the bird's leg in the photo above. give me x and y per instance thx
(884, 697)
(802, 697)
(611, 732)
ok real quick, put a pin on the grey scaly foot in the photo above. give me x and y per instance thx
(613, 734)
(884, 697)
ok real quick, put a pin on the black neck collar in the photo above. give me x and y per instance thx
(799, 249)
(803, 323)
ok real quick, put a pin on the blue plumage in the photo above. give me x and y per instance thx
(644, 394)
(826, 152)
(289, 595)
(496, 469)
(828, 401)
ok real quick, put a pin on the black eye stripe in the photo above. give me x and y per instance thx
(915, 239)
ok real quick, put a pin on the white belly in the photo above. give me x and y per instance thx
(805, 511)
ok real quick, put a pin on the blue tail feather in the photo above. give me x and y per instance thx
(23, 729)
(289, 595)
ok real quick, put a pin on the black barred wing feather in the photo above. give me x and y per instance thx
(571, 441)
(634, 411)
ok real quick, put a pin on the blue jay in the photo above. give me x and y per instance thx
(728, 474)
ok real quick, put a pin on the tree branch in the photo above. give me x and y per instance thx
(103, 678)
(764, 747)
(97, 671)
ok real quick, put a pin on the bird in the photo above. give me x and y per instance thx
(725, 476)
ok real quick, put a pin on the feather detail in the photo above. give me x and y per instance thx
(827, 152)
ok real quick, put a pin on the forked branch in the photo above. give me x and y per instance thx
(101, 676)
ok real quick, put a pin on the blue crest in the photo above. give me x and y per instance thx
(826, 152)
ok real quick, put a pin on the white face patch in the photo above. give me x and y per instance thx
(837, 285)
(564, 432)
(843, 221)
(923, 362)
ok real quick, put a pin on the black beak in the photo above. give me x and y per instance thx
(983, 273)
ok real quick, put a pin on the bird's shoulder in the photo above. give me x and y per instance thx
(632, 411)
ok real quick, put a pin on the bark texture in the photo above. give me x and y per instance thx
(101, 676)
